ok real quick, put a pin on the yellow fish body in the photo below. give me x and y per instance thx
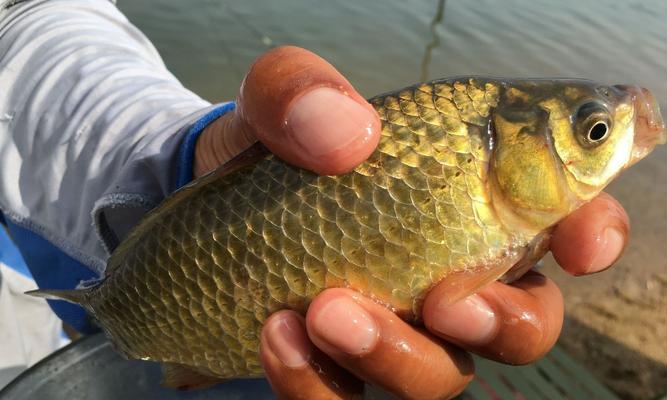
(468, 178)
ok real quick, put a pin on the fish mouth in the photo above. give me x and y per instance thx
(649, 125)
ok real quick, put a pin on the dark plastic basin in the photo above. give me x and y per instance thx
(91, 369)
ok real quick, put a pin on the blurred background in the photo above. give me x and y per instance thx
(617, 320)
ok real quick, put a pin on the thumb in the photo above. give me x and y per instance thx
(302, 109)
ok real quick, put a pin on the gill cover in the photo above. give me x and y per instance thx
(526, 171)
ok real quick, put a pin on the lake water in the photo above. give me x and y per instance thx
(385, 45)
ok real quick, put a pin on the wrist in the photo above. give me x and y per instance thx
(189, 153)
(220, 142)
(206, 158)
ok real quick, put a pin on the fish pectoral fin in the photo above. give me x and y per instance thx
(181, 377)
(460, 284)
(536, 249)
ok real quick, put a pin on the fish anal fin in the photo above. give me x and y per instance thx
(181, 377)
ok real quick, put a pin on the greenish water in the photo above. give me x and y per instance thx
(382, 45)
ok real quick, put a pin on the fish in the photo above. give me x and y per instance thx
(470, 176)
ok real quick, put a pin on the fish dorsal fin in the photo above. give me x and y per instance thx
(248, 158)
(181, 377)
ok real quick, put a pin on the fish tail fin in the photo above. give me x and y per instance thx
(76, 296)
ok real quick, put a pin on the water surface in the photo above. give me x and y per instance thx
(381, 45)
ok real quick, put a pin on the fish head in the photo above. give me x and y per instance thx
(558, 143)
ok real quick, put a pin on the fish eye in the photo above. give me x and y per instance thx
(592, 124)
(598, 131)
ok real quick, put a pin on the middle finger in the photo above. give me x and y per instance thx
(374, 344)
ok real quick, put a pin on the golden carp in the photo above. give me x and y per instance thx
(468, 178)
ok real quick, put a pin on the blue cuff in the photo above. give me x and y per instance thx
(53, 269)
(10, 255)
(186, 155)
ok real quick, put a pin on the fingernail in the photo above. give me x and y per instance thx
(346, 326)
(470, 320)
(287, 339)
(610, 251)
(325, 120)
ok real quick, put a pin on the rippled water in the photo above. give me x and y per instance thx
(382, 45)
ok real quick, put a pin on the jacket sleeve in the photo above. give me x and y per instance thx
(92, 124)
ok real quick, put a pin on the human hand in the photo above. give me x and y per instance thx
(346, 338)
(301, 109)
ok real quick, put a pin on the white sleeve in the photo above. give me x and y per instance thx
(90, 123)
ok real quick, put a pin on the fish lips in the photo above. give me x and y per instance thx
(649, 124)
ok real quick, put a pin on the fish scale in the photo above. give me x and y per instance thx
(282, 235)
(195, 280)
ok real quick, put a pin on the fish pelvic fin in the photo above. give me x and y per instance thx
(181, 377)
(77, 296)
